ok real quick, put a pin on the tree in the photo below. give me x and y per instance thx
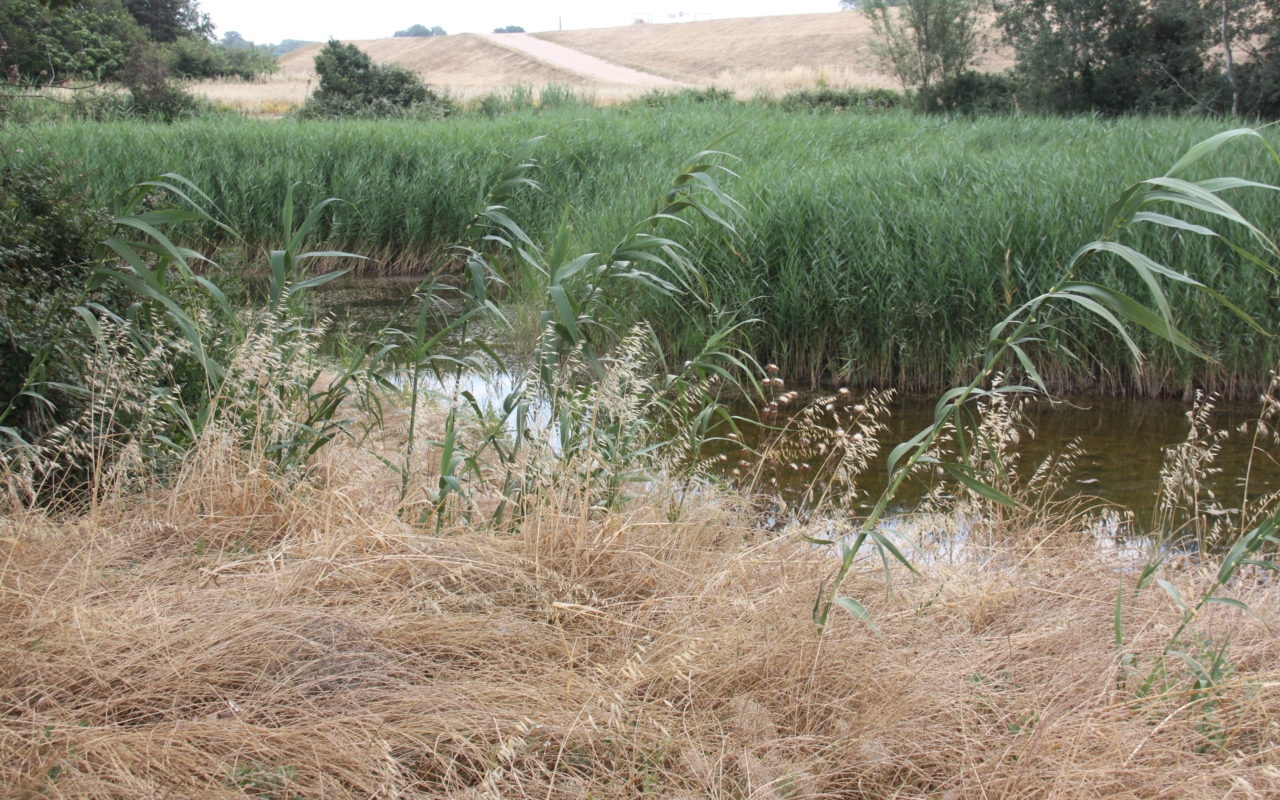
(422, 30)
(352, 85)
(287, 45)
(167, 20)
(47, 44)
(509, 29)
(1249, 27)
(201, 58)
(924, 42)
(1109, 55)
(232, 40)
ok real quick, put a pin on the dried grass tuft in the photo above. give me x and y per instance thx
(232, 637)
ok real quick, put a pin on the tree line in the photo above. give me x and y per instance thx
(49, 42)
(1072, 56)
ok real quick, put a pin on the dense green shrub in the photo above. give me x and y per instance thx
(1109, 56)
(828, 99)
(49, 242)
(971, 93)
(47, 44)
(200, 58)
(151, 94)
(1260, 84)
(351, 85)
(662, 98)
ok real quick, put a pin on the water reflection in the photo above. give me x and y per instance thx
(1123, 440)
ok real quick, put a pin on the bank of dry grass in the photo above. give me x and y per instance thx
(233, 637)
(751, 54)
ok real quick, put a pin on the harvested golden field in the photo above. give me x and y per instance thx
(782, 52)
(231, 636)
(460, 61)
(751, 55)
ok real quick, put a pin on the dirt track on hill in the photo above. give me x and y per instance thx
(567, 58)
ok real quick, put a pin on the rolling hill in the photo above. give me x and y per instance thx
(748, 56)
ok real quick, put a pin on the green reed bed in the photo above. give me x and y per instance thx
(875, 248)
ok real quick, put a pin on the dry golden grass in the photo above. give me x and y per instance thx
(751, 54)
(267, 96)
(460, 61)
(465, 65)
(279, 94)
(233, 637)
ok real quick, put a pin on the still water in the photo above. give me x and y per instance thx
(1123, 440)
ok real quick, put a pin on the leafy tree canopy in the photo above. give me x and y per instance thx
(168, 20)
(422, 30)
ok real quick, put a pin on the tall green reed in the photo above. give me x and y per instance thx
(200, 362)
(1177, 206)
(874, 250)
(587, 411)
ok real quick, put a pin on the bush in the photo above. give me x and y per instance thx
(661, 98)
(1260, 86)
(421, 30)
(49, 243)
(48, 43)
(200, 58)
(971, 93)
(351, 85)
(152, 95)
(850, 99)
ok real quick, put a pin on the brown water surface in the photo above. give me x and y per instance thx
(1123, 440)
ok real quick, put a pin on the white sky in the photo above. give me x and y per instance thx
(267, 21)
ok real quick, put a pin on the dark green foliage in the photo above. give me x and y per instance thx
(850, 99)
(971, 93)
(46, 45)
(1110, 56)
(151, 94)
(422, 30)
(351, 85)
(200, 58)
(1260, 86)
(509, 29)
(167, 21)
(49, 228)
(659, 98)
(49, 242)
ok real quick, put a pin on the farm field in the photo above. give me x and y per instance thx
(759, 54)
(749, 57)
(871, 248)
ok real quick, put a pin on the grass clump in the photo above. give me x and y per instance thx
(232, 634)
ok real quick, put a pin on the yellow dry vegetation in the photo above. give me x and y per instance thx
(460, 61)
(232, 635)
(756, 53)
(748, 56)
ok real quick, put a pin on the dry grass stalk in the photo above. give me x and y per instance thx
(233, 637)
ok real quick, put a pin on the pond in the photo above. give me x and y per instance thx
(1122, 441)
